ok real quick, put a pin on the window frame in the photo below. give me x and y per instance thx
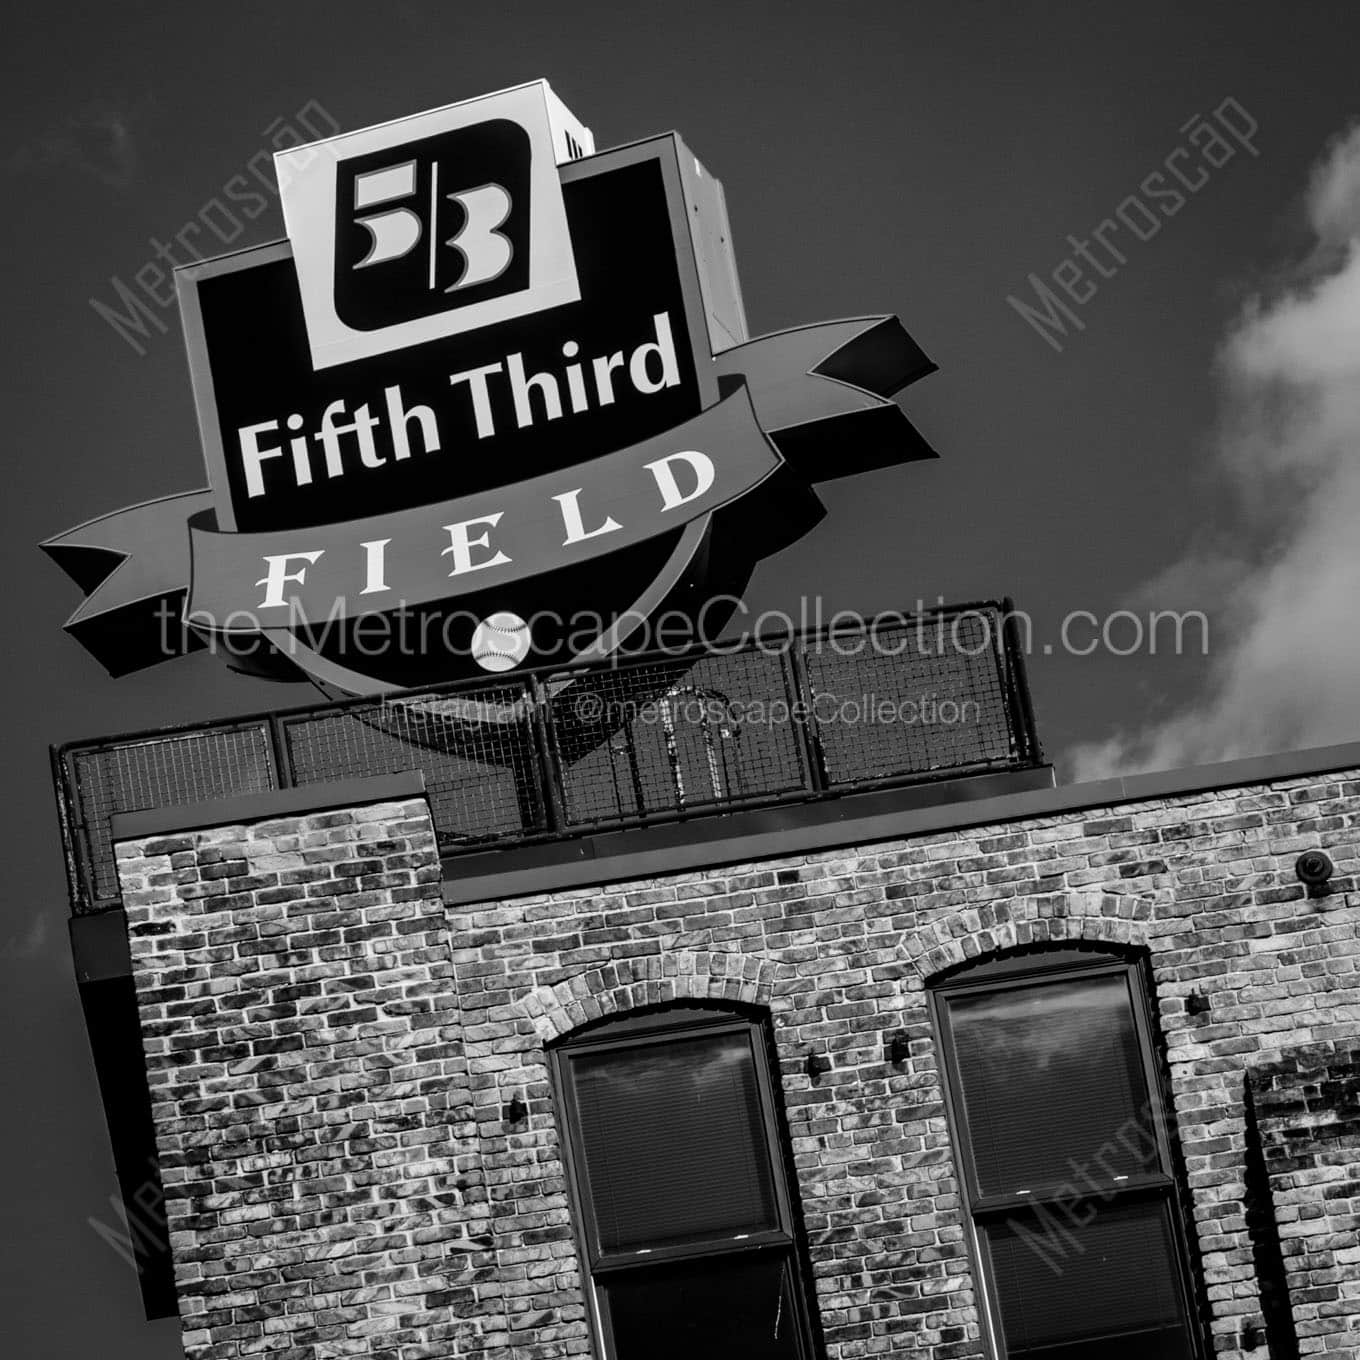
(1038, 967)
(598, 1267)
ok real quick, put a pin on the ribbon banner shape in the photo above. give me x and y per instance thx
(506, 534)
(814, 401)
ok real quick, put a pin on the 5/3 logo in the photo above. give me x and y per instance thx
(445, 225)
(486, 250)
(433, 226)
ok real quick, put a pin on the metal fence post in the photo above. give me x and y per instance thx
(75, 837)
(805, 722)
(1017, 684)
(278, 746)
(546, 752)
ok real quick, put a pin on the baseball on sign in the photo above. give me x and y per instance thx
(500, 642)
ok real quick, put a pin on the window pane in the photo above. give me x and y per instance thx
(1105, 1290)
(726, 1308)
(1053, 1085)
(673, 1142)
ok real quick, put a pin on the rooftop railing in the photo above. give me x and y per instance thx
(558, 753)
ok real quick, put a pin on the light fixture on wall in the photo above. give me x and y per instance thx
(899, 1048)
(816, 1066)
(1314, 869)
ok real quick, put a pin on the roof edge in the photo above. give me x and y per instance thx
(853, 819)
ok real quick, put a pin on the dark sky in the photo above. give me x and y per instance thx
(906, 157)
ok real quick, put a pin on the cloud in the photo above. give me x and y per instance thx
(1282, 573)
(27, 944)
(96, 141)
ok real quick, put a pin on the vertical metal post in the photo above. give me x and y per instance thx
(634, 771)
(805, 723)
(74, 836)
(672, 754)
(545, 748)
(278, 745)
(1017, 684)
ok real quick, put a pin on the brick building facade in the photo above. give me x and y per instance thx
(359, 1125)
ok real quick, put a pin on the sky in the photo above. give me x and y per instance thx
(1186, 440)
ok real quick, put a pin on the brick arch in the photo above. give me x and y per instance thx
(1110, 918)
(677, 975)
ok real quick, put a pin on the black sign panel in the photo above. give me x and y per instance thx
(626, 257)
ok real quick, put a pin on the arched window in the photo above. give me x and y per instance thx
(1058, 1118)
(676, 1159)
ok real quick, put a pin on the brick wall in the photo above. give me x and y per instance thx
(322, 1173)
(334, 1053)
(1307, 1107)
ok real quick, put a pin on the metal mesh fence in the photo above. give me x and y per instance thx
(915, 698)
(593, 747)
(663, 738)
(477, 750)
(171, 771)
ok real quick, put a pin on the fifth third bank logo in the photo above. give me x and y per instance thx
(433, 225)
